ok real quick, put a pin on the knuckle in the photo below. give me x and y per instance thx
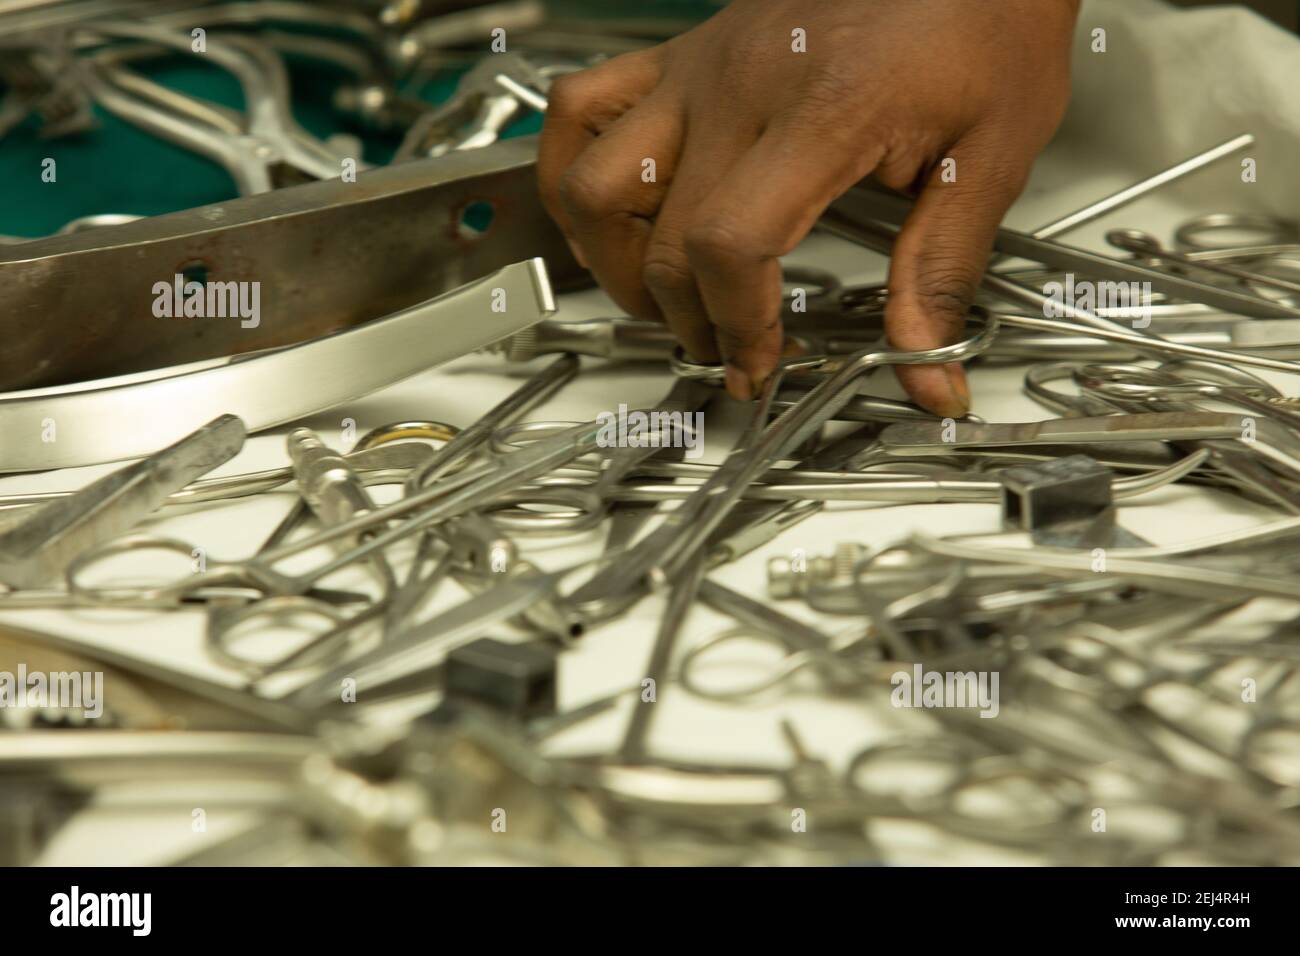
(569, 95)
(666, 272)
(714, 242)
(827, 91)
(946, 287)
(586, 193)
(744, 56)
(759, 339)
(1004, 180)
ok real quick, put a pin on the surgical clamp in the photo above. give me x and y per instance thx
(271, 134)
(46, 541)
(664, 552)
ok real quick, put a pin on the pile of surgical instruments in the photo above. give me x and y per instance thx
(385, 666)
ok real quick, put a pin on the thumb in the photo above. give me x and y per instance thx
(939, 259)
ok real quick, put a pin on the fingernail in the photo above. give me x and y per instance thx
(960, 387)
(738, 384)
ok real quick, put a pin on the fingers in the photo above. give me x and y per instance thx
(667, 270)
(612, 192)
(938, 262)
(581, 106)
(757, 211)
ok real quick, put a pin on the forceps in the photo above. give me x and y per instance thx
(1235, 461)
(489, 97)
(456, 494)
(457, 452)
(48, 539)
(375, 465)
(1136, 383)
(667, 549)
(590, 500)
(1273, 441)
(1193, 234)
(1144, 244)
(269, 134)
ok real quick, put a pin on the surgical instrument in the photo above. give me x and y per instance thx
(1182, 578)
(1144, 244)
(325, 256)
(532, 393)
(425, 645)
(1141, 344)
(453, 496)
(44, 542)
(635, 744)
(1279, 446)
(491, 96)
(1124, 197)
(266, 390)
(686, 529)
(885, 488)
(879, 237)
(271, 135)
(1135, 383)
(893, 210)
(1191, 235)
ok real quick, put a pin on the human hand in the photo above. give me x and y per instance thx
(751, 141)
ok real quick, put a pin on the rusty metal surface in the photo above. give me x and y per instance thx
(327, 255)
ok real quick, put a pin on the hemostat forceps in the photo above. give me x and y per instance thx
(269, 136)
(661, 555)
(48, 539)
(1138, 384)
(1270, 440)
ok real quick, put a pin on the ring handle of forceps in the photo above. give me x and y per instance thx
(1190, 235)
(405, 431)
(827, 366)
(1130, 382)
(513, 437)
(683, 366)
(234, 575)
(575, 507)
(970, 763)
(223, 621)
(829, 666)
